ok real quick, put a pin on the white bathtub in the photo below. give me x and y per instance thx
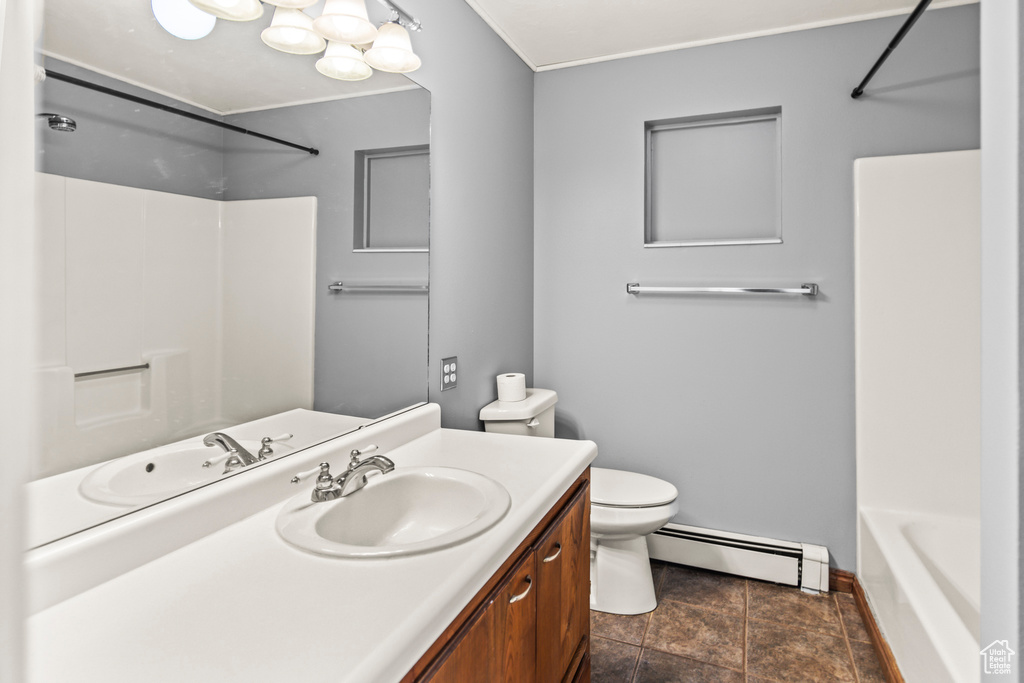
(922, 576)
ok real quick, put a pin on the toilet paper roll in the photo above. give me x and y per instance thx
(512, 386)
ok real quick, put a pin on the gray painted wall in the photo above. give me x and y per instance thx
(481, 205)
(371, 349)
(125, 143)
(745, 404)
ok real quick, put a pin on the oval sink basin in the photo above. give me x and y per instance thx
(149, 476)
(410, 510)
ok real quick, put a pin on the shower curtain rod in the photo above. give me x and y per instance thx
(173, 110)
(904, 30)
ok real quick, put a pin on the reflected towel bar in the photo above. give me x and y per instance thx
(342, 287)
(807, 289)
(91, 373)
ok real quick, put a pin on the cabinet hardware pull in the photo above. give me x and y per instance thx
(517, 598)
(554, 557)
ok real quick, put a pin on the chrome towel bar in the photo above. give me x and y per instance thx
(92, 373)
(807, 289)
(342, 287)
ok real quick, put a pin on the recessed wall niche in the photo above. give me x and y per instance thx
(714, 179)
(392, 199)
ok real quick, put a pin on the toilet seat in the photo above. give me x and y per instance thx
(620, 489)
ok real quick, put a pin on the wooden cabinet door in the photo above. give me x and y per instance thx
(474, 657)
(500, 644)
(563, 592)
(515, 610)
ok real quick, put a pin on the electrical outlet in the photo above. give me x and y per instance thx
(449, 378)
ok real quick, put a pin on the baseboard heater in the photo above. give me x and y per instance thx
(795, 564)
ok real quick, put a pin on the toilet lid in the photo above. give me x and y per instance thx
(617, 488)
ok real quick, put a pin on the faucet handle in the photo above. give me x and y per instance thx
(356, 452)
(279, 437)
(265, 449)
(323, 470)
(219, 458)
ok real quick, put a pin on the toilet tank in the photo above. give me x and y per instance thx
(533, 416)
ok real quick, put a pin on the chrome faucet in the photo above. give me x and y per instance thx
(351, 480)
(238, 457)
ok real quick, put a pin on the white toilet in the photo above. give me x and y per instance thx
(624, 508)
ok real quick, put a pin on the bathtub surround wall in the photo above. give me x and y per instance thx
(137, 276)
(745, 404)
(392, 372)
(918, 393)
(917, 271)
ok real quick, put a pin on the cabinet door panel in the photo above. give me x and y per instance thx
(516, 616)
(475, 657)
(563, 578)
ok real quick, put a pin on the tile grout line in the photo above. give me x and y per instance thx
(698, 661)
(636, 664)
(647, 626)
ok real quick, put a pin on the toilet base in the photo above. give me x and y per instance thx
(620, 576)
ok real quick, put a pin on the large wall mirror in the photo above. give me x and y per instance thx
(196, 280)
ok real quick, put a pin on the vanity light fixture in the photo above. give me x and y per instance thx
(291, 31)
(353, 45)
(344, 62)
(182, 19)
(292, 4)
(345, 21)
(232, 10)
(392, 51)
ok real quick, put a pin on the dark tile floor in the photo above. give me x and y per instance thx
(711, 628)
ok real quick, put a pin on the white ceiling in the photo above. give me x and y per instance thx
(228, 71)
(231, 70)
(550, 34)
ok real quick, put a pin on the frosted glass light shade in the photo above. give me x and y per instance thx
(291, 31)
(345, 21)
(292, 4)
(232, 10)
(392, 51)
(344, 62)
(183, 19)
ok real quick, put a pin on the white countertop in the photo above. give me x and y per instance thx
(242, 605)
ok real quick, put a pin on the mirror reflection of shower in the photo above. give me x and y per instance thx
(60, 123)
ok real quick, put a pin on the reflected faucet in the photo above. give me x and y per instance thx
(238, 457)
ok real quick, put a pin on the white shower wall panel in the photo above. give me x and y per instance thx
(104, 242)
(51, 347)
(181, 284)
(269, 248)
(137, 276)
(918, 337)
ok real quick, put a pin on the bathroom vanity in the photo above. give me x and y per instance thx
(531, 622)
(226, 598)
